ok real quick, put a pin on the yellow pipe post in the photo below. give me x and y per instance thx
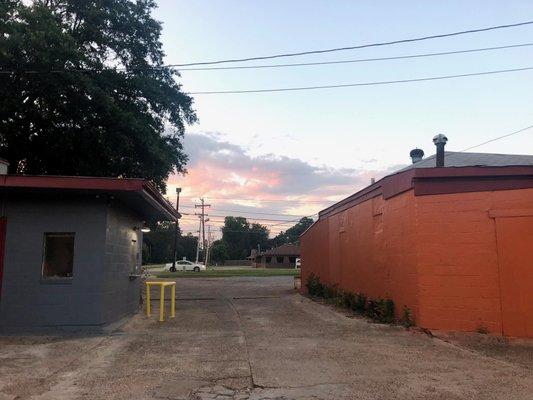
(173, 300)
(162, 304)
(148, 288)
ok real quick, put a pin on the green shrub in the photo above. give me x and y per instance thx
(348, 300)
(407, 318)
(314, 286)
(330, 292)
(381, 310)
(360, 303)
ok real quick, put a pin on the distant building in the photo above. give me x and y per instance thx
(283, 256)
(450, 237)
(70, 248)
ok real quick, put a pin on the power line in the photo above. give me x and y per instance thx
(251, 212)
(497, 138)
(363, 46)
(282, 55)
(250, 218)
(361, 60)
(299, 201)
(432, 78)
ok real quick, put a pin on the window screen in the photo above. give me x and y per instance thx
(58, 257)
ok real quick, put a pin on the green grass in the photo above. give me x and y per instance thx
(153, 266)
(213, 273)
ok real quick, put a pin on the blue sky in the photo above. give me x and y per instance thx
(368, 129)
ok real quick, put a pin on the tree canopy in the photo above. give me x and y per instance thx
(292, 235)
(84, 91)
(240, 237)
(158, 244)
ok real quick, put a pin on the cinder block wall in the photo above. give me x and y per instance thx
(461, 276)
(439, 255)
(123, 244)
(27, 299)
(369, 248)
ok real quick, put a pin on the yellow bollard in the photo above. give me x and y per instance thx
(148, 288)
(173, 300)
(162, 285)
(162, 304)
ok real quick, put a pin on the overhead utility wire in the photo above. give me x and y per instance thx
(251, 218)
(302, 53)
(363, 46)
(251, 212)
(360, 60)
(375, 83)
(299, 201)
(498, 138)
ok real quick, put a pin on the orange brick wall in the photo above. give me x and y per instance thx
(436, 254)
(369, 248)
(458, 258)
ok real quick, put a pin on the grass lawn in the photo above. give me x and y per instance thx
(153, 266)
(214, 273)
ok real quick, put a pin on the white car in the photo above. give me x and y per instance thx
(185, 265)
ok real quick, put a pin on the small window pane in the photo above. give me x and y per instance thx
(58, 258)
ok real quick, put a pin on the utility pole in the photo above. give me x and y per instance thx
(202, 215)
(198, 241)
(176, 228)
(208, 251)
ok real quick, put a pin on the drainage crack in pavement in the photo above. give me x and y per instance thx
(241, 327)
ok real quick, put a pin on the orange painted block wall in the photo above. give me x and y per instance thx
(449, 258)
(369, 248)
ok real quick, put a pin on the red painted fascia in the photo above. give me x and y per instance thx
(140, 186)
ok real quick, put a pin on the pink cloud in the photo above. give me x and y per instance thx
(230, 179)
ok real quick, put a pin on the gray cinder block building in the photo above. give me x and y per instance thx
(70, 248)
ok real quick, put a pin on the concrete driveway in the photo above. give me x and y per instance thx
(254, 338)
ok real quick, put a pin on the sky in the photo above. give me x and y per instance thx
(290, 154)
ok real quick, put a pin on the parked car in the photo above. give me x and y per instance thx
(298, 263)
(185, 265)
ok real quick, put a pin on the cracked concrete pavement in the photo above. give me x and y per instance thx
(255, 338)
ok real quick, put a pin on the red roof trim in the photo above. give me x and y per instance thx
(439, 181)
(89, 183)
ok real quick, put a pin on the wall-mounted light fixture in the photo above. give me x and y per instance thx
(145, 228)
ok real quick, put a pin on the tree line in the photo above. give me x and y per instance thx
(239, 237)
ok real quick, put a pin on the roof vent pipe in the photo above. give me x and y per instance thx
(416, 155)
(440, 141)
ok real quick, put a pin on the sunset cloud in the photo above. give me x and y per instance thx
(231, 179)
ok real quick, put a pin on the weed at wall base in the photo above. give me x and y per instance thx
(378, 310)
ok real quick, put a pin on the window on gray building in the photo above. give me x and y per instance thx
(268, 260)
(58, 255)
(279, 260)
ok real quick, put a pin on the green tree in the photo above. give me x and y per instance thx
(292, 235)
(219, 252)
(158, 244)
(240, 237)
(84, 91)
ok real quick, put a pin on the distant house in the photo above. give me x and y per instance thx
(283, 256)
(70, 248)
(450, 237)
